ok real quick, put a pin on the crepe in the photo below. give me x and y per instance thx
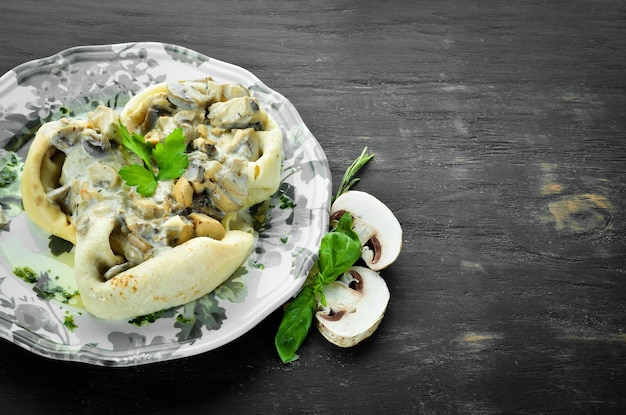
(136, 254)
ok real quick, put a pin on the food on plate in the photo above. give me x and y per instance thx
(156, 198)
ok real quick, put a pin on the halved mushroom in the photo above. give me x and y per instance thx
(355, 307)
(379, 231)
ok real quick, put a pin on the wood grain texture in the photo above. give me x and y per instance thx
(499, 131)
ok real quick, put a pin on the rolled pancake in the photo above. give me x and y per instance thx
(173, 277)
(41, 176)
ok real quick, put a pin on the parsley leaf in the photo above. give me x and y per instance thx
(138, 175)
(170, 156)
(136, 143)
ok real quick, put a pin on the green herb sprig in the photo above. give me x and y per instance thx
(339, 249)
(169, 157)
(348, 179)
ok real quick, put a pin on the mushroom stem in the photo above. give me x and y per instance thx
(364, 230)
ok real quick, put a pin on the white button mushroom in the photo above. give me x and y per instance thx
(379, 231)
(355, 307)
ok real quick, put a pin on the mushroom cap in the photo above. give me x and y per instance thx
(379, 231)
(355, 307)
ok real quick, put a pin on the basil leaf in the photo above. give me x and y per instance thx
(345, 225)
(295, 325)
(339, 250)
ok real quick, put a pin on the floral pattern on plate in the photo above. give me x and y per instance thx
(36, 313)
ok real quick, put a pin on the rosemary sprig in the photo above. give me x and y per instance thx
(348, 179)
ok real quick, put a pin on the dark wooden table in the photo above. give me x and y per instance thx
(499, 133)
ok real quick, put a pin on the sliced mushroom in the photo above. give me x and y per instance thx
(238, 112)
(194, 94)
(148, 208)
(204, 204)
(153, 137)
(205, 146)
(139, 243)
(230, 91)
(379, 231)
(116, 269)
(66, 135)
(95, 144)
(222, 199)
(183, 192)
(205, 225)
(104, 120)
(355, 307)
(57, 195)
(160, 106)
(178, 230)
(243, 143)
(188, 120)
(103, 176)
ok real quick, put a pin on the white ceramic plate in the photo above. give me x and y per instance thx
(75, 81)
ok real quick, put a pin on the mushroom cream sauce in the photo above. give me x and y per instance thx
(136, 255)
